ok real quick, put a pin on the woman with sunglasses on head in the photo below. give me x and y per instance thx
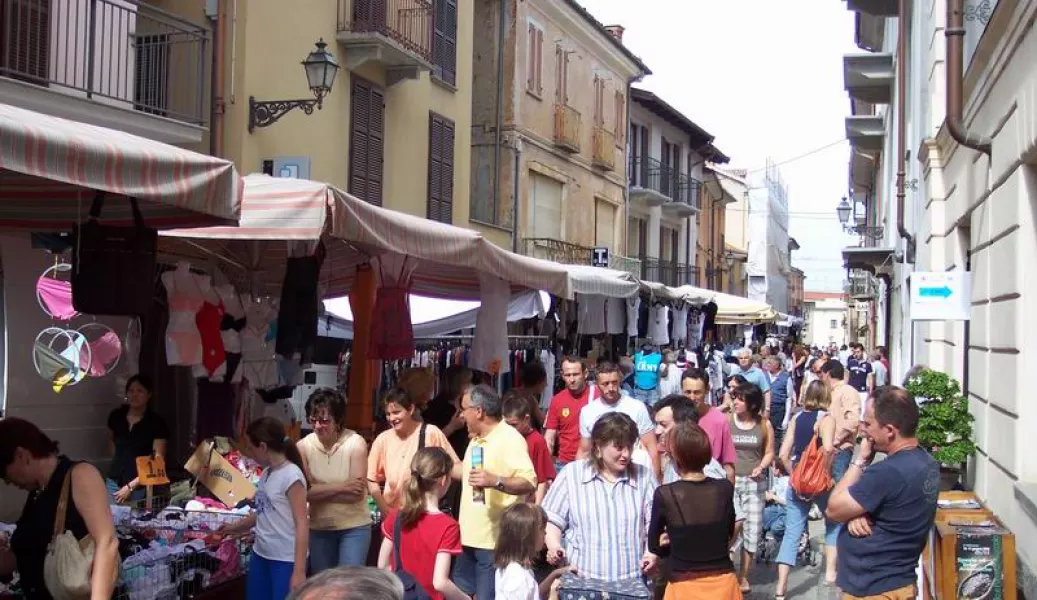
(335, 459)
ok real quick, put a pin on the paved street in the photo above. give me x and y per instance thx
(805, 583)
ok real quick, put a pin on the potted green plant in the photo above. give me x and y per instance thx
(945, 423)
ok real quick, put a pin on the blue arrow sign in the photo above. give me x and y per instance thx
(935, 292)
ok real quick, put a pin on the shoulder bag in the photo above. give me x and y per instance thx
(113, 267)
(412, 590)
(67, 567)
(811, 476)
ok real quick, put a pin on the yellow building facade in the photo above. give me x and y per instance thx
(395, 128)
(549, 123)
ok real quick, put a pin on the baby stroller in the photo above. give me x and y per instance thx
(767, 551)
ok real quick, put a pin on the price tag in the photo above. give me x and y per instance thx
(151, 470)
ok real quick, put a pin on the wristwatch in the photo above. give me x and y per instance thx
(861, 463)
(499, 485)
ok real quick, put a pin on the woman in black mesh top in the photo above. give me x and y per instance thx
(693, 522)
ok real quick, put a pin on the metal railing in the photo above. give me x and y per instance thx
(604, 148)
(648, 173)
(627, 264)
(666, 272)
(567, 128)
(558, 251)
(125, 53)
(861, 287)
(406, 22)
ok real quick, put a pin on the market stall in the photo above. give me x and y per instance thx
(59, 177)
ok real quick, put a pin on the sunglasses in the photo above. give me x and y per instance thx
(315, 421)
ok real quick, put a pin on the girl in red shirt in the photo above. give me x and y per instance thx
(429, 539)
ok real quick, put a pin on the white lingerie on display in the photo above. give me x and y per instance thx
(184, 297)
(490, 346)
(257, 353)
(633, 306)
(679, 330)
(592, 314)
(659, 324)
(615, 315)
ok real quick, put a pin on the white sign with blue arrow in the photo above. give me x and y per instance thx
(943, 296)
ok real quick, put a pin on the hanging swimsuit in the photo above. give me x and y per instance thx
(56, 296)
(183, 340)
(105, 351)
(230, 333)
(208, 321)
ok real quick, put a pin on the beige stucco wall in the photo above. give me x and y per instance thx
(986, 206)
(531, 119)
(270, 44)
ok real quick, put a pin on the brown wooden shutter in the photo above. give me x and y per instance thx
(366, 141)
(25, 40)
(531, 56)
(444, 45)
(540, 61)
(440, 169)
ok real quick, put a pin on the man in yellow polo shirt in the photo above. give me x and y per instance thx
(505, 478)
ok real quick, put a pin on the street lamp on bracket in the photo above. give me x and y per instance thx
(860, 227)
(321, 68)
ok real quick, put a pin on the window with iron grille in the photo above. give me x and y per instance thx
(25, 40)
(440, 169)
(366, 140)
(444, 40)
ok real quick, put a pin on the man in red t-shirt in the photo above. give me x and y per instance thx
(518, 414)
(563, 417)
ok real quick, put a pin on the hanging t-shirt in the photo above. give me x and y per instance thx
(592, 314)
(646, 370)
(633, 304)
(679, 330)
(659, 324)
(548, 360)
(490, 346)
(615, 315)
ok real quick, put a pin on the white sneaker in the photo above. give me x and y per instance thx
(815, 513)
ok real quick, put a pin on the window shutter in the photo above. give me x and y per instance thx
(621, 117)
(447, 178)
(444, 45)
(435, 171)
(559, 75)
(531, 57)
(366, 141)
(540, 61)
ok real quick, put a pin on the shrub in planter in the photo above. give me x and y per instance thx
(945, 423)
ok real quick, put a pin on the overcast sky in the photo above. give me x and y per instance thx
(764, 77)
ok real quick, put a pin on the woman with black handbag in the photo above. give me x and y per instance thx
(67, 503)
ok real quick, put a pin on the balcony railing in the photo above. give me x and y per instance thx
(626, 264)
(567, 128)
(666, 272)
(118, 52)
(861, 287)
(405, 22)
(604, 149)
(650, 174)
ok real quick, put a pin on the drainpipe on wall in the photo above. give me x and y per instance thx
(516, 146)
(216, 82)
(902, 60)
(497, 138)
(955, 33)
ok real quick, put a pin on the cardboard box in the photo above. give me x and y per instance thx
(973, 562)
(219, 476)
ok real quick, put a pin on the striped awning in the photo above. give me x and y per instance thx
(736, 310)
(51, 168)
(276, 211)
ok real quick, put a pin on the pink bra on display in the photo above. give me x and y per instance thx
(105, 351)
(55, 295)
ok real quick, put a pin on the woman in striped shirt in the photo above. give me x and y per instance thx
(604, 503)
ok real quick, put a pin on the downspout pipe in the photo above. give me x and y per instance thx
(216, 85)
(955, 34)
(497, 134)
(902, 60)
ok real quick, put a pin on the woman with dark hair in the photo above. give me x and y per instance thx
(30, 460)
(135, 430)
(753, 437)
(693, 522)
(732, 384)
(444, 410)
(608, 482)
(278, 563)
(335, 461)
(388, 464)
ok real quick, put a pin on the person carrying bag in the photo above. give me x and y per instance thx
(69, 562)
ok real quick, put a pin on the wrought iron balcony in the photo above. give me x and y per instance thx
(604, 149)
(558, 251)
(686, 199)
(662, 185)
(567, 128)
(121, 53)
(666, 272)
(626, 264)
(861, 287)
(396, 34)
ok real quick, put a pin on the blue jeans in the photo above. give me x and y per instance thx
(774, 520)
(339, 548)
(136, 495)
(841, 463)
(649, 397)
(797, 511)
(268, 579)
(474, 573)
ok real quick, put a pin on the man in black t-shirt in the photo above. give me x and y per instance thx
(861, 376)
(889, 506)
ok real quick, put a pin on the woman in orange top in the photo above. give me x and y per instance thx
(388, 462)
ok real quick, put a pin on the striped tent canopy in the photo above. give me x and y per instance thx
(736, 310)
(277, 211)
(51, 168)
